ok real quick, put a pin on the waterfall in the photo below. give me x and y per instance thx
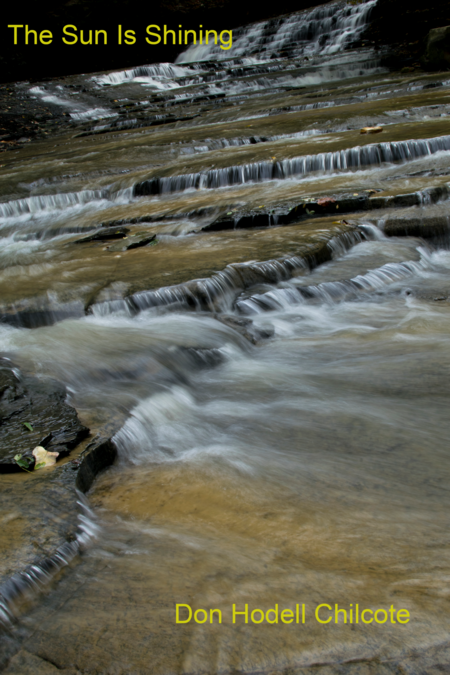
(256, 172)
(326, 29)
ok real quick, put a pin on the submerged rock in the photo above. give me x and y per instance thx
(245, 327)
(135, 241)
(104, 234)
(425, 227)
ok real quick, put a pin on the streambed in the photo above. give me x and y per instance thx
(282, 427)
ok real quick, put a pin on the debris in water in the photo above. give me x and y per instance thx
(23, 463)
(44, 458)
(371, 130)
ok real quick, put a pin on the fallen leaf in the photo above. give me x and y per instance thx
(44, 458)
(28, 426)
(23, 463)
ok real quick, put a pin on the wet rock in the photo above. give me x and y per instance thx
(24, 663)
(427, 228)
(40, 533)
(141, 240)
(105, 234)
(203, 212)
(201, 358)
(430, 294)
(338, 205)
(246, 328)
(136, 241)
(42, 313)
(286, 215)
(99, 454)
(25, 402)
(437, 53)
(39, 514)
(135, 125)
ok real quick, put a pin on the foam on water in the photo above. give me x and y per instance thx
(78, 110)
(159, 75)
(43, 204)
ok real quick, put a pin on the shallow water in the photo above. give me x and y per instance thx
(311, 469)
(295, 458)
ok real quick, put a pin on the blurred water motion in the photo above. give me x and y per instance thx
(282, 427)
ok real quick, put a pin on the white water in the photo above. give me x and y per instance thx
(282, 428)
(325, 30)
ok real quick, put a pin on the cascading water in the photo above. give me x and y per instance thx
(371, 155)
(322, 30)
(251, 299)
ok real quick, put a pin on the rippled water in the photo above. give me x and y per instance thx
(281, 424)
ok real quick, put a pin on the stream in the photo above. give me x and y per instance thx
(276, 377)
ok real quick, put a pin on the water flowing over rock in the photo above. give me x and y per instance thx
(325, 30)
(247, 302)
(371, 155)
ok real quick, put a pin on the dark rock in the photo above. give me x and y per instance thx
(99, 454)
(437, 53)
(41, 404)
(41, 315)
(134, 125)
(245, 327)
(104, 234)
(140, 240)
(200, 358)
(427, 228)
(416, 19)
(135, 241)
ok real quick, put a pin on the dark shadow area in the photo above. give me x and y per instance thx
(405, 26)
(37, 61)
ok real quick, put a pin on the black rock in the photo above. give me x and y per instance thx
(437, 53)
(104, 234)
(27, 400)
